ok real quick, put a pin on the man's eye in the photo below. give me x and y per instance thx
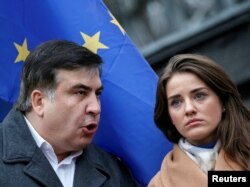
(98, 94)
(81, 92)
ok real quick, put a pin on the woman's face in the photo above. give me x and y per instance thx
(194, 108)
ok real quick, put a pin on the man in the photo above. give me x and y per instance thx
(46, 138)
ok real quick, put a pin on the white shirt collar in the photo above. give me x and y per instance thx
(65, 170)
(46, 148)
(39, 140)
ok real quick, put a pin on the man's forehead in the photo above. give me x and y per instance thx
(80, 78)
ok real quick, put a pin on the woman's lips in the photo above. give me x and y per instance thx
(193, 122)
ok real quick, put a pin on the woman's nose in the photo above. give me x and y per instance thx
(189, 107)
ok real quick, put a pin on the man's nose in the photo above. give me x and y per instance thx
(94, 105)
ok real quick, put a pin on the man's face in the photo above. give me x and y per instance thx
(71, 118)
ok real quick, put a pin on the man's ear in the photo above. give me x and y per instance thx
(37, 101)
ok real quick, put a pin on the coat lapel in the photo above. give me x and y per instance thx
(40, 170)
(19, 146)
(181, 170)
(88, 173)
(178, 169)
(226, 164)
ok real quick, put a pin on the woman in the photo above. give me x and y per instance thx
(199, 109)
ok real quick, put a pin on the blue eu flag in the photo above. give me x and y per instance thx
(127, 128)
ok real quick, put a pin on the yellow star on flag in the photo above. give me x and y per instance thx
(114, 21)
(23, 51)
(92, 42)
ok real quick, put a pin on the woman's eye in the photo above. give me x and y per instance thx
(200, 96)
(175, 103)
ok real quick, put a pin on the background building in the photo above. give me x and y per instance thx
(217, 28)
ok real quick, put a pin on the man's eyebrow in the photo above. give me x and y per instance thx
(81, 86)
(85, 87)
(100, 88)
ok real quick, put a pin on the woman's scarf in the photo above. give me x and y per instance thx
(204, 157)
